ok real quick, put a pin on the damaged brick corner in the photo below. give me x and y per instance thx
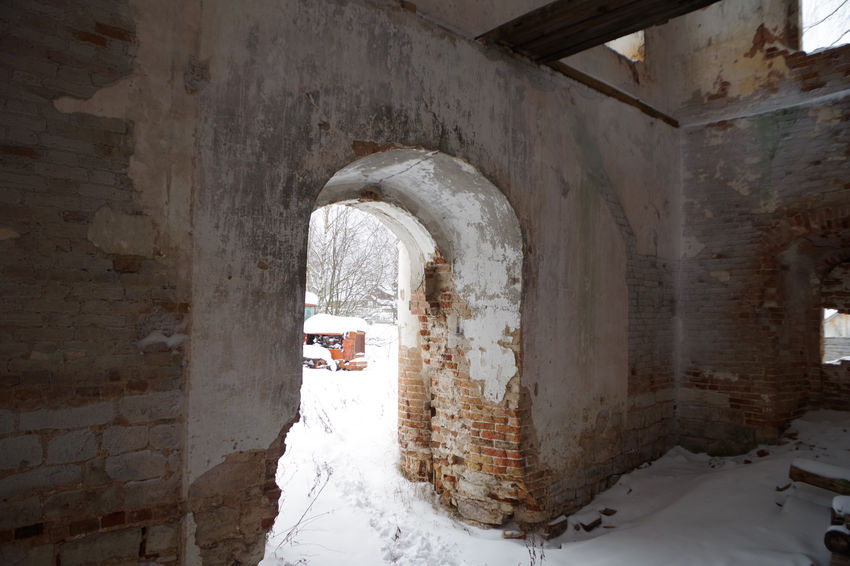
(235, 503)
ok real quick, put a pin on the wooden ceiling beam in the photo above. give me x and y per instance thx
(566, 27)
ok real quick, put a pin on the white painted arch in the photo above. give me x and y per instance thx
(432, 201)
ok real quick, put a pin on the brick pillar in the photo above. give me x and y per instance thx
(480, 466)
(414, 407)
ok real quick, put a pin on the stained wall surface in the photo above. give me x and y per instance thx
(160, 162)
(765, 201)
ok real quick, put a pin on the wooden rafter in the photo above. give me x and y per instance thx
(566, 27)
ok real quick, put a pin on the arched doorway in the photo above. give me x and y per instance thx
(460, 286)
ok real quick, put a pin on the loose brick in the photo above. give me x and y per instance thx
(45, 477)
(151, 406)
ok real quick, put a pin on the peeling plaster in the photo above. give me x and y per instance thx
(470, 222)
(162, 164)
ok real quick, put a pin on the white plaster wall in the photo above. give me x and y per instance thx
(408, 323)
(584, 338)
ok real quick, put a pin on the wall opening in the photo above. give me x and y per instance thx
(825, 24)
(836, 335)
(341, 455)
(632, 46)
(458, 311)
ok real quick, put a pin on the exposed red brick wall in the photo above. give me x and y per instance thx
(835, 288)
(766, 217)
(414, 414)
(469, 448)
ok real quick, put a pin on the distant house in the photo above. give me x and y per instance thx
(836, 335)
(383, 307)
(836, 325)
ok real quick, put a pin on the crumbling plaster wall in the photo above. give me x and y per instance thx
(765, 199)
(461, 318)
(735, 59)
(298, 90)
(475, 231)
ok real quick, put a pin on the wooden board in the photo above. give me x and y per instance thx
(838, 485)
(566, 27)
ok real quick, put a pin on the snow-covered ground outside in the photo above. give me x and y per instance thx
(344, 501)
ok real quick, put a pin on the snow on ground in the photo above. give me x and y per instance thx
(345, 502)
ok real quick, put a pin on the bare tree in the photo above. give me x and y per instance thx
(351, 262)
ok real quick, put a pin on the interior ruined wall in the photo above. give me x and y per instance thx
(736, 59)
(204, 165)
(765, 216)
(557, 150)
(96, 295)
(284, 95)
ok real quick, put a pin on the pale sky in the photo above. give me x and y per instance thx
(826, 23)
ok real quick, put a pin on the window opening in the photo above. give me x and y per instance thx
(826, 24)
(344, 447)
(836, 335)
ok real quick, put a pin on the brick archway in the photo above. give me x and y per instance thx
(460, 285)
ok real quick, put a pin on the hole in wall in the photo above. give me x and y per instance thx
(825, 24)
(343, 456)
(632, 46)
(836, 335)
(453, 224)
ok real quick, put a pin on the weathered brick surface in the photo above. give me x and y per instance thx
(468, 447)
(115, 546)
(835, 392)
(414, 415)
(766, 217)
(234, 505)
(75, 446)
(21, 452)
(471, 449)
(70, 312)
